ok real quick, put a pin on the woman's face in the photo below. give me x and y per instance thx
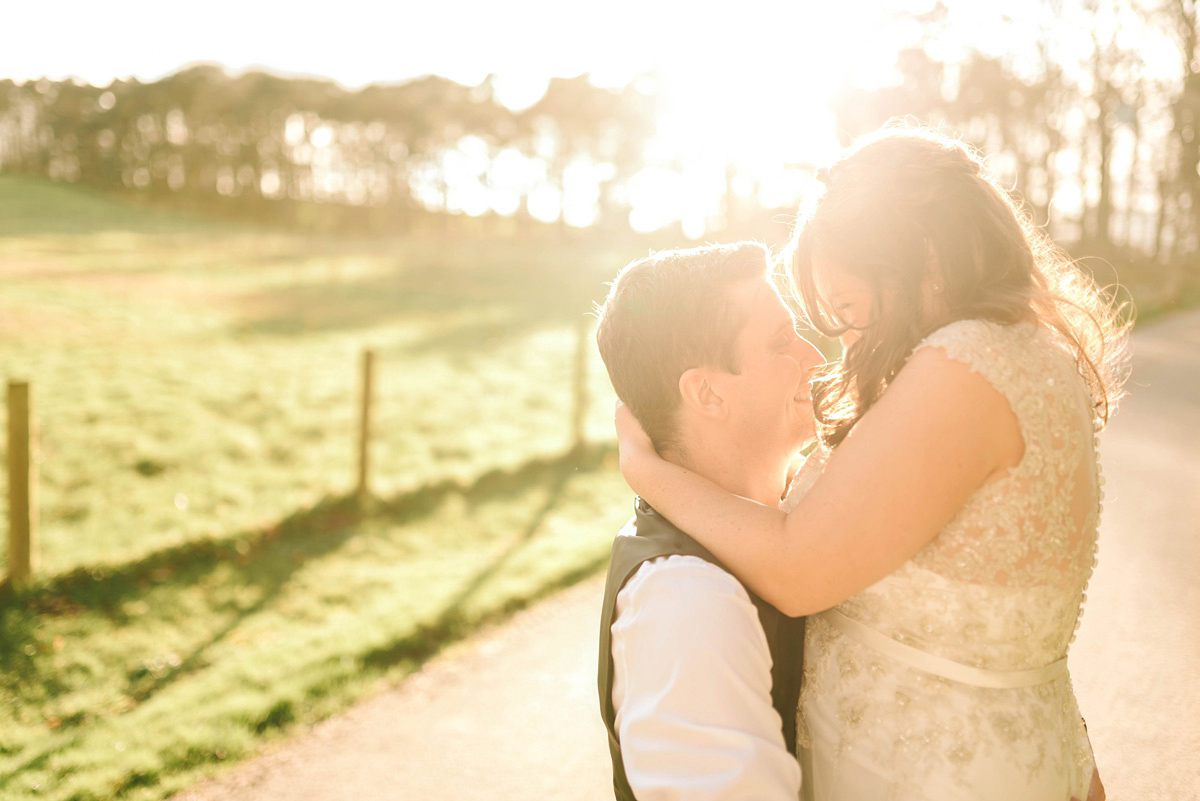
(846, 294)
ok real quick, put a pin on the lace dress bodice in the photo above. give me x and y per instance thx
(1001, 587)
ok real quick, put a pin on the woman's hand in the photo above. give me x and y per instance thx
(917, 456)
(633, 444)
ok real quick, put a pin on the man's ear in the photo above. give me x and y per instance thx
(702, 394)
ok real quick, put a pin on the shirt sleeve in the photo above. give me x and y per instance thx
(692, 688)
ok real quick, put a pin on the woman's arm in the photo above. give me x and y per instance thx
(937, 434)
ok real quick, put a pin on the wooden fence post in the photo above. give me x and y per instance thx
(364, 423)
(579, 374)
(22, 485)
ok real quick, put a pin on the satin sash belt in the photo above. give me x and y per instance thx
(940, 666)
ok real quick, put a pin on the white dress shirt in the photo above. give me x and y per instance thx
(692, 688)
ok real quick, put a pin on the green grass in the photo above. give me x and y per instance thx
(1150, 307)
(206, 581)
(136, 684)
(192, 380)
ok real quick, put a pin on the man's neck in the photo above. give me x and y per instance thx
(729, 467)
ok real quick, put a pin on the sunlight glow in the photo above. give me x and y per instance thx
(752, 102)
(749, 106)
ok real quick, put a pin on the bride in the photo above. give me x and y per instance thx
(943, 534)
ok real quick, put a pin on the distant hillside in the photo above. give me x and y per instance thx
(33, 206)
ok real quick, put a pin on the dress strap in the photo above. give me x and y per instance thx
(940, 666)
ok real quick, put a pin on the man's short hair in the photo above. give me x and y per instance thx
(666, 314)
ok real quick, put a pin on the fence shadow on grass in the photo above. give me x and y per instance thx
(331, 528)
(452, 623)
(334, 517)
(266, 560)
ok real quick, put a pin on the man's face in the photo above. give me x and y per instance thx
(770, 398)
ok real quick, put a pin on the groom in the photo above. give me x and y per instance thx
(698, 677)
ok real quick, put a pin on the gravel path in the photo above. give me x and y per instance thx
(1136, 663)
(512, 714)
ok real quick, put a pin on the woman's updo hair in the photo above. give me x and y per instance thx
(903, 203)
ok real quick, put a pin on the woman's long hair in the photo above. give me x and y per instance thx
(901, 202)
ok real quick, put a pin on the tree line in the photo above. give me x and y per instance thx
(1103, 148)
(296, 149)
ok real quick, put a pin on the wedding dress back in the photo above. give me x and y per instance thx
(946, 680)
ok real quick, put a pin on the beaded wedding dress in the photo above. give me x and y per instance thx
(947, 679)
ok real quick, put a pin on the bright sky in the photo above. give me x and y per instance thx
(777, 42)
(762, 47)
(361, 41)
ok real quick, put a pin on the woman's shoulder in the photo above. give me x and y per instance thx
(977, 332)
(1004, 354)
(986, 345)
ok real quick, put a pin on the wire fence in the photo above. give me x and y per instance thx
(23, 446)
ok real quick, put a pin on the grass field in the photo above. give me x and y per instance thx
(206, 376)
(137, 685)
(206, 579)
